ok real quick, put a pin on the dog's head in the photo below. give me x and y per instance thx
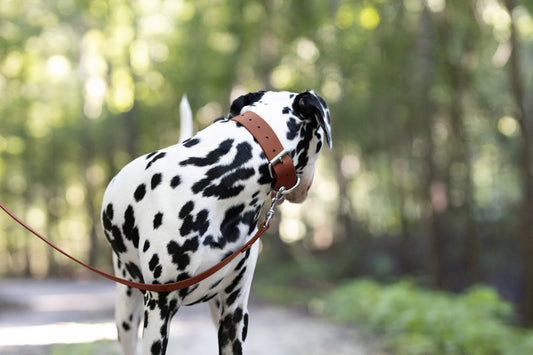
(306, 128)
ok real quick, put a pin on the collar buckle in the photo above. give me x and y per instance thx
(277, 159)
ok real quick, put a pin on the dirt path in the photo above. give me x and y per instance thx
(40, 317)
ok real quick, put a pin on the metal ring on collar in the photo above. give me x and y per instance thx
(288, 191)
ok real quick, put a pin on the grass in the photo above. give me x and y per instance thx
(107, 347)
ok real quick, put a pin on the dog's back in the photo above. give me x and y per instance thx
(179, 210)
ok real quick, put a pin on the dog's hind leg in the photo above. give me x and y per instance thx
(128, 313)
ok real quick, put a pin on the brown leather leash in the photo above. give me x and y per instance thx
(142, 286)
(282, 171)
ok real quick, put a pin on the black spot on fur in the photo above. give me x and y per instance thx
(117, 242)
(173, 305)
(293, 128)
(107, 217)
(156, 180)
(185, 291)
(264, 175)
(198, 223)
(153, 262)
(241, 263)
(318, 147)
(233, 172)
(158, 220)
(146, 246)
(154, 266)
(245, 100)
(237, 347)
(201, 224)
(302, 148)
(134, 271)
(157, 271)
(179, 253)
(139, 193)
(230, 223)
(151, 155)
(203, 299)
(227, 188)
(145, 318)
(131, 232)
(226, 331)
(209, 240)
(212, 157)
(245, 328)
(237, 315)
(155, 158)
(186, 209)
(250, 219)
(191, 142)
(235, 282)
(233, 297)
(176, 180)
(254, 200)
(125, 326)
(109, 211)
(216, 284)
(156, 348)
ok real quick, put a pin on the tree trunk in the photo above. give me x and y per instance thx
(346, 231)
(434, 185)
(458, 75)
(524, 119)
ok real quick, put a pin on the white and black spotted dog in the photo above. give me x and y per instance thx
(175, 212)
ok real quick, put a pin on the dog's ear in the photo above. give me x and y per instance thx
(242, 101)
(309, 106)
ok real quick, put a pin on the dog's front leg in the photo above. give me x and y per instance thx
(233, 328)
(158, 312)
(232, 304)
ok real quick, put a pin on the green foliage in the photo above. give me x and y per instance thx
(107, 347)
(418, 321)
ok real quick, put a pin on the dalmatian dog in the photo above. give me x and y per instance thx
(173, 213)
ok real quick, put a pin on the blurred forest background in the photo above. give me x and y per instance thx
(431, 175)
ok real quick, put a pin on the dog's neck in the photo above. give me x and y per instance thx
(280, 165)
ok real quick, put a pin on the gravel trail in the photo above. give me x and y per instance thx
(63, 317)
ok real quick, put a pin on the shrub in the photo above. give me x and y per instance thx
(417, 321)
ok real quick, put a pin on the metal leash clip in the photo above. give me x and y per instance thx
(271, 211)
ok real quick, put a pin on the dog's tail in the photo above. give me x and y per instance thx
(185, 119)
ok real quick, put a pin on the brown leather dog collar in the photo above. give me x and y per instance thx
(280, 163)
